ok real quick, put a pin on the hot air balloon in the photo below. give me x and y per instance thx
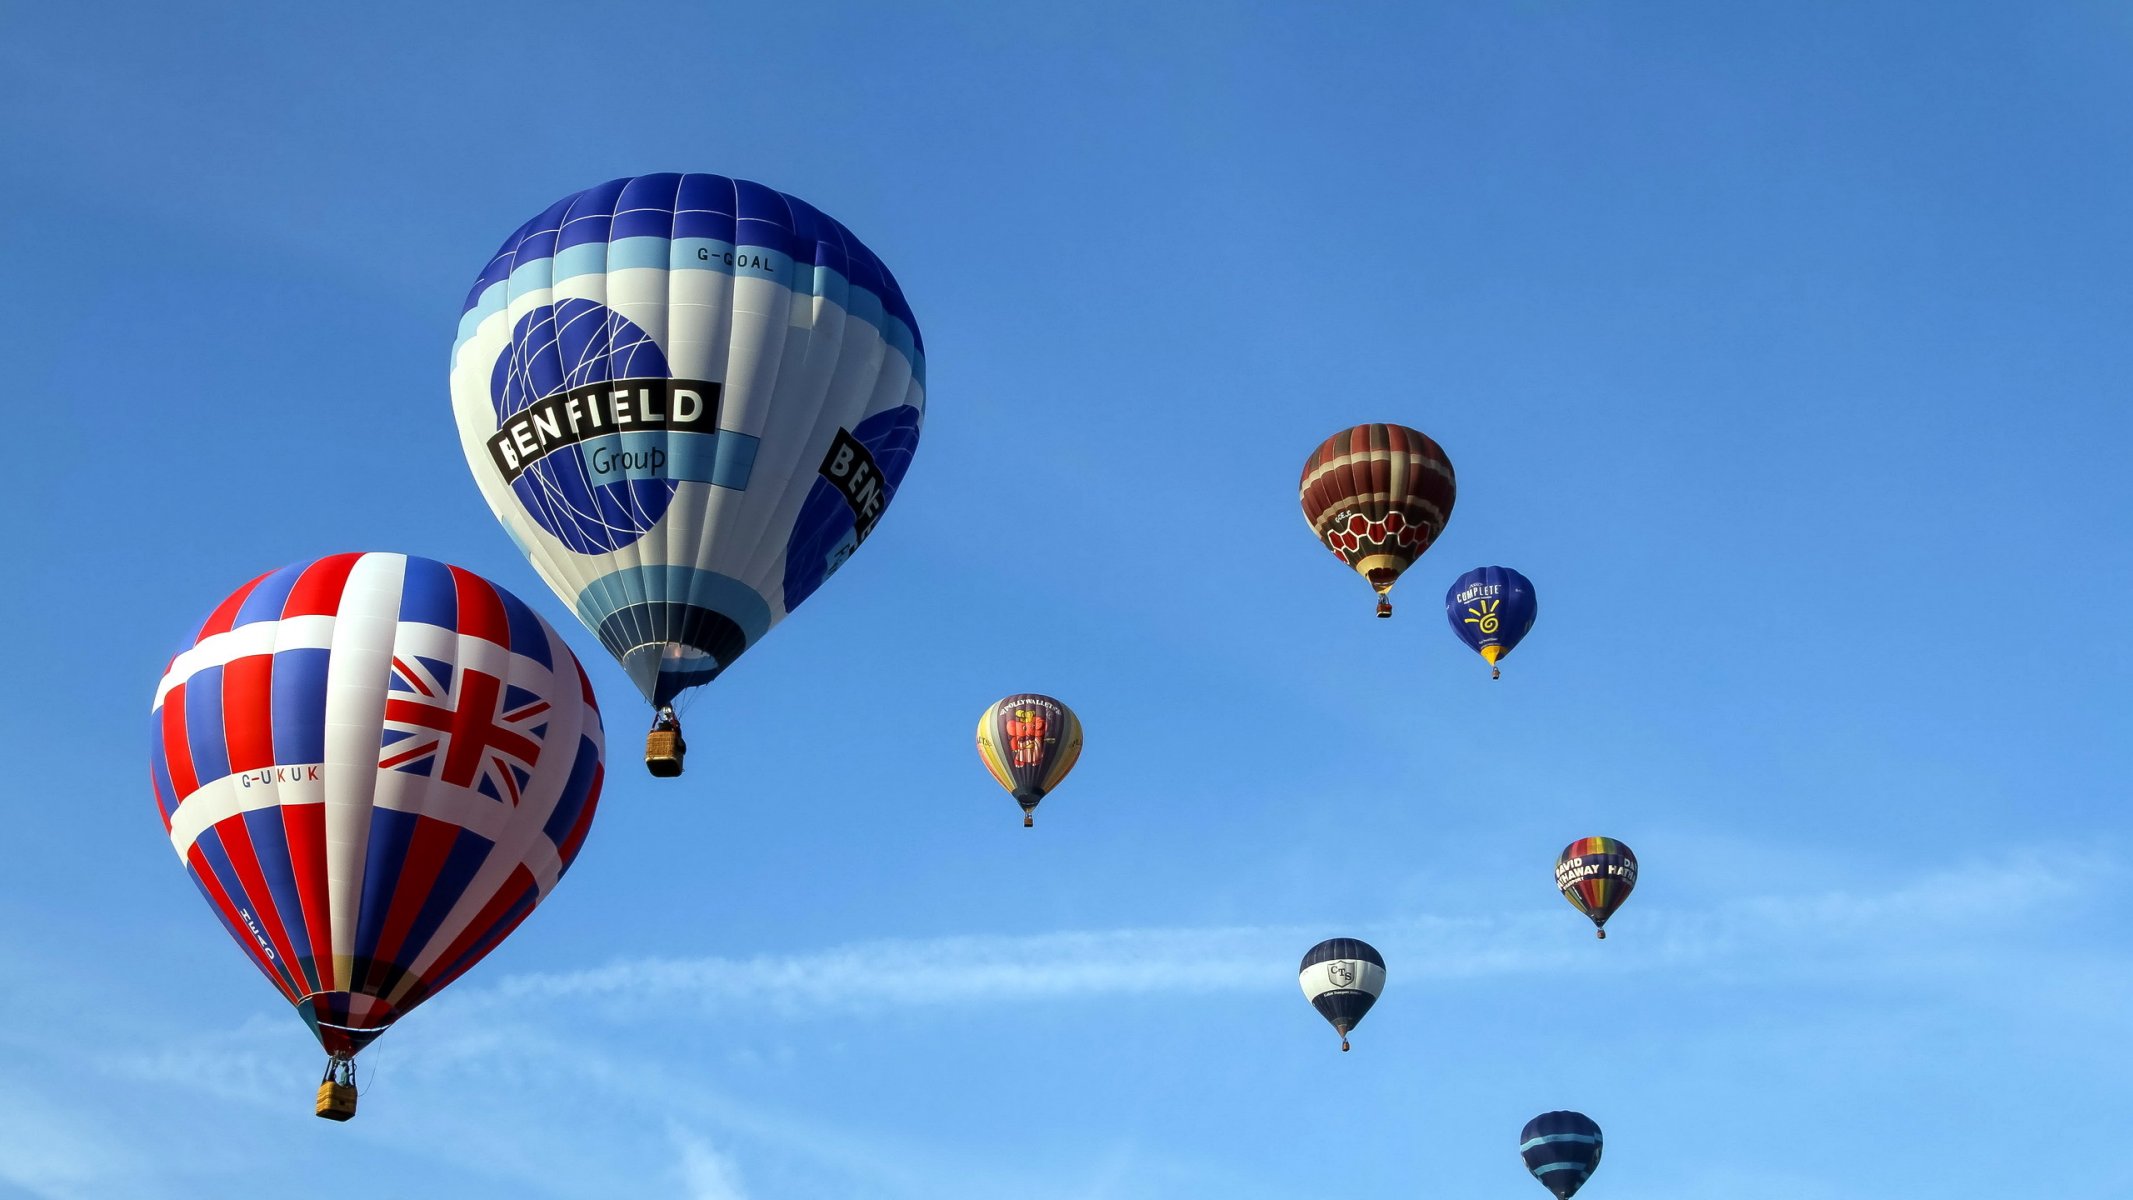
(374, 766)
(1342, 977)
(1562, 1149)
(688, 399)
(1029, 743)
(1377, 496)
(1491, 609)
(1596, 875)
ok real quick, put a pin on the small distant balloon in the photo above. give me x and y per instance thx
(1029, 743)
(1491, 609)
(1378, 496)
(1342, 978)
(1596, 875)
(1562, 1149)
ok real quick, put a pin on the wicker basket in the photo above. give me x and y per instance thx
(663, 752)
(336, 1101)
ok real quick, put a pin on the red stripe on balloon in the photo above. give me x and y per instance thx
(481, 613)
(305, 826)
(248, 711)
(318, 590)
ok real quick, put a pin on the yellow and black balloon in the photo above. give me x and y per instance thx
(1029, 742)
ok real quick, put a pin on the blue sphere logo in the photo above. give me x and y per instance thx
(554, 348)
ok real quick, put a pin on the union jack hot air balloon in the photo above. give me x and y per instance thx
(373, 766)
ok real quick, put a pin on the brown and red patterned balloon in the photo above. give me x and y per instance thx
(1378, 496)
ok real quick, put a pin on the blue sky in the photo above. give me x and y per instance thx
(1783, 347)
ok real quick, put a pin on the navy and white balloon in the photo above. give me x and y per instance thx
(1342, 978)
(1562, 1149)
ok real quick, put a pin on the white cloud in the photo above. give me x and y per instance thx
(1754, 931)
(706, 1174)
(518, 1042)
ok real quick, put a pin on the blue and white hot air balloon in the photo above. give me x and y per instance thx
(688, 399)
(1562, 1150)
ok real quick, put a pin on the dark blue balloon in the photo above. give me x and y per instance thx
(1491, 608)
(1562, 1149)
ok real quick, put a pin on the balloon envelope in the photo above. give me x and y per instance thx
(1491, 609)
(1562, 1149)
(374, 766)
(1378, 496)
(1029, 743)
(1596, 875)
(688, 399)
(1342, 978)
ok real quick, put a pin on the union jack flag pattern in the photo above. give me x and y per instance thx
(464, 727)
(374, 766)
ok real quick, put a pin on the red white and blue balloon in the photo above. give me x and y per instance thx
(374, 767)
(688, 399)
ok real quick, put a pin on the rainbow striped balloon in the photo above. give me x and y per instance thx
(1596, 875)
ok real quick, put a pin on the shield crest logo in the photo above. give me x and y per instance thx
(1342, 973)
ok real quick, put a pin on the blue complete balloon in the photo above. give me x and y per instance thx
(1562, 1149)
(1491, 608)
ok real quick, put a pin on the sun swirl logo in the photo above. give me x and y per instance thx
(1483, 617)
(554, 349)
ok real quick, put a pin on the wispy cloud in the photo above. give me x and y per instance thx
(907, 972)
(664, 1129)
(929, 972)
(705, 1173)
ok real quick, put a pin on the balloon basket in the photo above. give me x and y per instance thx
(663, 752)
(336, 1101)
(1384, 607)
